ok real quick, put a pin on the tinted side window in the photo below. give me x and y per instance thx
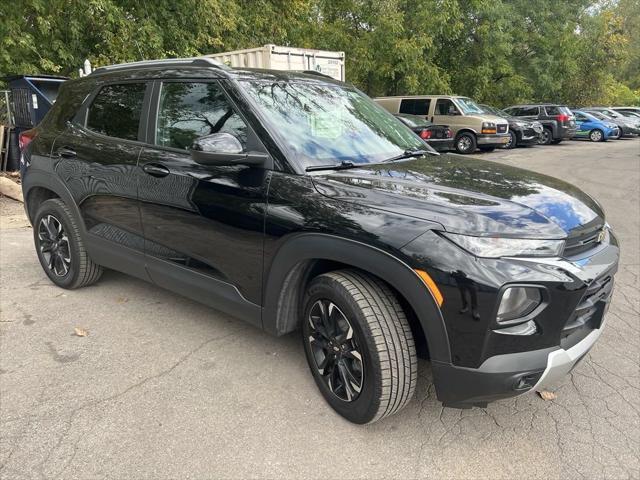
(116, 110)
(415, 106)
(528, 112)
(552, 110)
(192, 110)
(444, 106)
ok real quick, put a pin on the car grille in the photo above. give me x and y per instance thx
(529, 132)
(590, 311)
(584, 241)
(502, 128)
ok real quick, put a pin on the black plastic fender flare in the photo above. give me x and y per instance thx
(280, 307)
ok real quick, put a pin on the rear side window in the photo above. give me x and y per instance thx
(116, 110)
(192, 110)
(525, 112)
(556, 110)
(415, 106)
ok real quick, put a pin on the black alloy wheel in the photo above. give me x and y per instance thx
(60, 246)
(54, 245)
(359, 345)
(335, 350)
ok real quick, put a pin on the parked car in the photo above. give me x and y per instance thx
(439, 137)
(472, 127)
(523, 133)
(635, 110)
(557, 120)
(623, 127)
(632, 123)
(593, 128)
(293, 201)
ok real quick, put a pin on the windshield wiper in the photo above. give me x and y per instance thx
(411, 154)
(336, 166)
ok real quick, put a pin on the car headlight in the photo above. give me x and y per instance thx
(488, 125)
(517, 302)
(496, 247)
(520, 124)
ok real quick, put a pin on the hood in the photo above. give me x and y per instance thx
(467, 195)
(487, 117)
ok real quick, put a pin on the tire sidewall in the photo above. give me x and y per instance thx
(472, 146)
(547, 136)
(514, 141)
(595, 132)
(364, 408)
(53, 207)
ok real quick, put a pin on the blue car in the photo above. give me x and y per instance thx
(593, 128)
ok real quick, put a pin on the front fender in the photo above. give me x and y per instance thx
(291, 265)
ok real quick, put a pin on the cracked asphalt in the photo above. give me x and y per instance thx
(162, 387)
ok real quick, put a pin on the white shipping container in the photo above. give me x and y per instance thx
(285, 58)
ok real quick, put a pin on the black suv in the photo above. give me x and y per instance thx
(293, 201)
(557, 120)
(522, 133)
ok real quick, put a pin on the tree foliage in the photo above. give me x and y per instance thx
(497, 51)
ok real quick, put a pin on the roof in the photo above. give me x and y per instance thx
(148, 67)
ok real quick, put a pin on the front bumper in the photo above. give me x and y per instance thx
(490, 140)
(561, 362)
(567, 331)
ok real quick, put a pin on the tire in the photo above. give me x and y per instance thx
(547, 136)
(596, 135)
(466, 143)
(620, 134)
(513, 141)
(383, 381)
(487, 149)
(54, 219)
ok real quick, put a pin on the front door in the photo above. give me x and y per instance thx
(203, 225)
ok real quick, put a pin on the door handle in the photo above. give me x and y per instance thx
(156, 170)
(66, 152)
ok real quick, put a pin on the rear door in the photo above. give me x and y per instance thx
(96, 158)
(203, 224)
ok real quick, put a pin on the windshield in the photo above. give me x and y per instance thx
(322, 123)
(495, 111)
(468, 106)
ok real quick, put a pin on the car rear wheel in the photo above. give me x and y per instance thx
(596, 135)
(547, 136)
(466, 143)
(60, 247)
(359, 345)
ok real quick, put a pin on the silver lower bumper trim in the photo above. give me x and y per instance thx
(560, 362)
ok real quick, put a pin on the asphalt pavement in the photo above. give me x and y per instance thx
(163, 387)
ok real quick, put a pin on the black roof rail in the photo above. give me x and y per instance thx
(167, 62)
(315, 72)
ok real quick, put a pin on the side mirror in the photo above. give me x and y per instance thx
(223, 149)
(453, 111)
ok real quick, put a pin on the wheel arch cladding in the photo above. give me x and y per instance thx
(38, 186)
(293, 265)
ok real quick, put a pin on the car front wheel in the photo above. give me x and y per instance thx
(466, 143)
(359, 345)
(513, 141)
(596, 135)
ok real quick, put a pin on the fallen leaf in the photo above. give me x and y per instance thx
(123, 299)
(547, 395)
(80, 332)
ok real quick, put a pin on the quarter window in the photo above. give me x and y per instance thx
(116, 110)
(192, 110)
(415, 106)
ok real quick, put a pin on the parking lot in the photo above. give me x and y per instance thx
(162, 387)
